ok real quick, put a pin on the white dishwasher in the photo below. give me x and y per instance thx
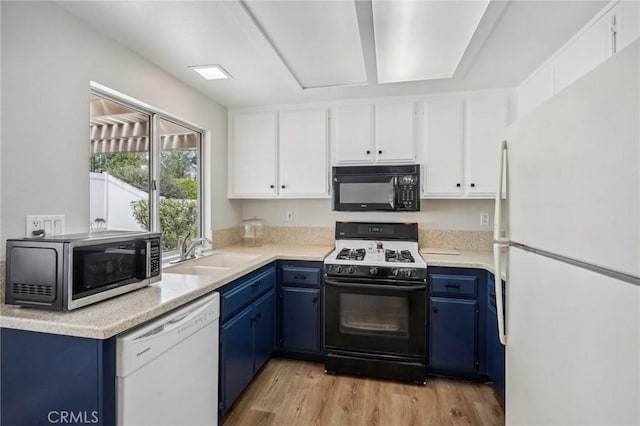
(167, 370)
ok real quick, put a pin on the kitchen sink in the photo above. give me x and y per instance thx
(225, 259)
(211, 265)
(193, 269)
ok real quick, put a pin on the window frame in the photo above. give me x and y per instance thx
(155, 150)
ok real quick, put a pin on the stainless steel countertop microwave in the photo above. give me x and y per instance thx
(376, 188)
(65, 272)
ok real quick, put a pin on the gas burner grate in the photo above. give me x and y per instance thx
(402, 256)
(351, 254)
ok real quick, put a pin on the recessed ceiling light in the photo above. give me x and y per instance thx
(211, 72)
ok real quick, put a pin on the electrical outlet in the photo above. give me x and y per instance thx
(50, 224)
(484, 219)
(289, 216)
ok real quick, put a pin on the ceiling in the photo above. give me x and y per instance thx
(316, 50)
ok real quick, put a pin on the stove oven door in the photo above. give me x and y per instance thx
(378, 317)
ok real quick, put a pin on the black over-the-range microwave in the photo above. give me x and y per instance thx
(65, 272)
(376, 188)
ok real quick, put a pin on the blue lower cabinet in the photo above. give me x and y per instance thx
(236, 356)
(264, 329)
(48, 379)
(247, 332)
(453, 325)
(300, 319)
(300, 310)
(495, 349)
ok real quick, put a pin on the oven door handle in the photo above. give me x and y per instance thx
(392, 287)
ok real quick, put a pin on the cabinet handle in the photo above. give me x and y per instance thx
(256, 283)
(258, 316)
(300, 277)
(448, 285)
(435, 310)
(271, 186)
(368, 152)
(314, 300)
(473, 185)
(282, 186)
(492, 295)
(457, 185)
(379, 151)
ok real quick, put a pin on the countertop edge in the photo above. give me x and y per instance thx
(466, 259)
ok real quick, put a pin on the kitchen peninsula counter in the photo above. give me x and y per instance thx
(461, 259)
(114, 316)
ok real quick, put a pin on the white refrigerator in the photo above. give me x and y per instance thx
(569, 233)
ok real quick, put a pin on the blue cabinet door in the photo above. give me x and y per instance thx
(236, 357)
(47, 378)
(301, 319)
(453, 334)
(264, 322)
(495, 349)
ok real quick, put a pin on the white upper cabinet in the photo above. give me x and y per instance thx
(627, 22)
(588, 51)
(354, 132)
(442, 165)
(380, 133)
(614, 28)
(252, 155)
(460, 142)
(395, 132)
(303, 156)
(487, 119)
(278, 155)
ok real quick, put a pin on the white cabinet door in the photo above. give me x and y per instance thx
(589, 50)
(627, 23)
(354, 131)
(442, 161)
(395, 132)
(303, 153)
(252, 155)
(487, 123)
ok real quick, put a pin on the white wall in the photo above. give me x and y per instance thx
(48, 60)
(461, 215)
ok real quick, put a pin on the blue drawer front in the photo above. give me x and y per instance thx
(454, 285)
(301, 275)
(245, 293)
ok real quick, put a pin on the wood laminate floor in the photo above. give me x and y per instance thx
(288, 392)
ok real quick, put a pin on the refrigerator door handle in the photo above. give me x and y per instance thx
(498, 243)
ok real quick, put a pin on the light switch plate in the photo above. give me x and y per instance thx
(52, 224)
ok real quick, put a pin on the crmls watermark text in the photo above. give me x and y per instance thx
(73, 417)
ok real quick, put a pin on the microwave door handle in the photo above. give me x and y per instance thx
(148, 259)
(394, 190)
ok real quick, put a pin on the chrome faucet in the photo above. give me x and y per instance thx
(187, 253)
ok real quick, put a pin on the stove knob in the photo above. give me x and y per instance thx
(338, 269)
(395, 272)
(408, 273)
(373, 270)
(351, 270)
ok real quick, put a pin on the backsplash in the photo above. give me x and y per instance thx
(300, 235)
(226, 237)
(462, 240)
(2, 279)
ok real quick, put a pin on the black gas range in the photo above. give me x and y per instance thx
(375, 302)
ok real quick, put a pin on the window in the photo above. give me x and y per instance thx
(145, 170)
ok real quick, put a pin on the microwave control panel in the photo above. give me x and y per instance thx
(408, 192)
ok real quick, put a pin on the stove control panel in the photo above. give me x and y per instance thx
(365, 271)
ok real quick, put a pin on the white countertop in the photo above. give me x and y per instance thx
(461, 259)
(114, 316)
(106, 319)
